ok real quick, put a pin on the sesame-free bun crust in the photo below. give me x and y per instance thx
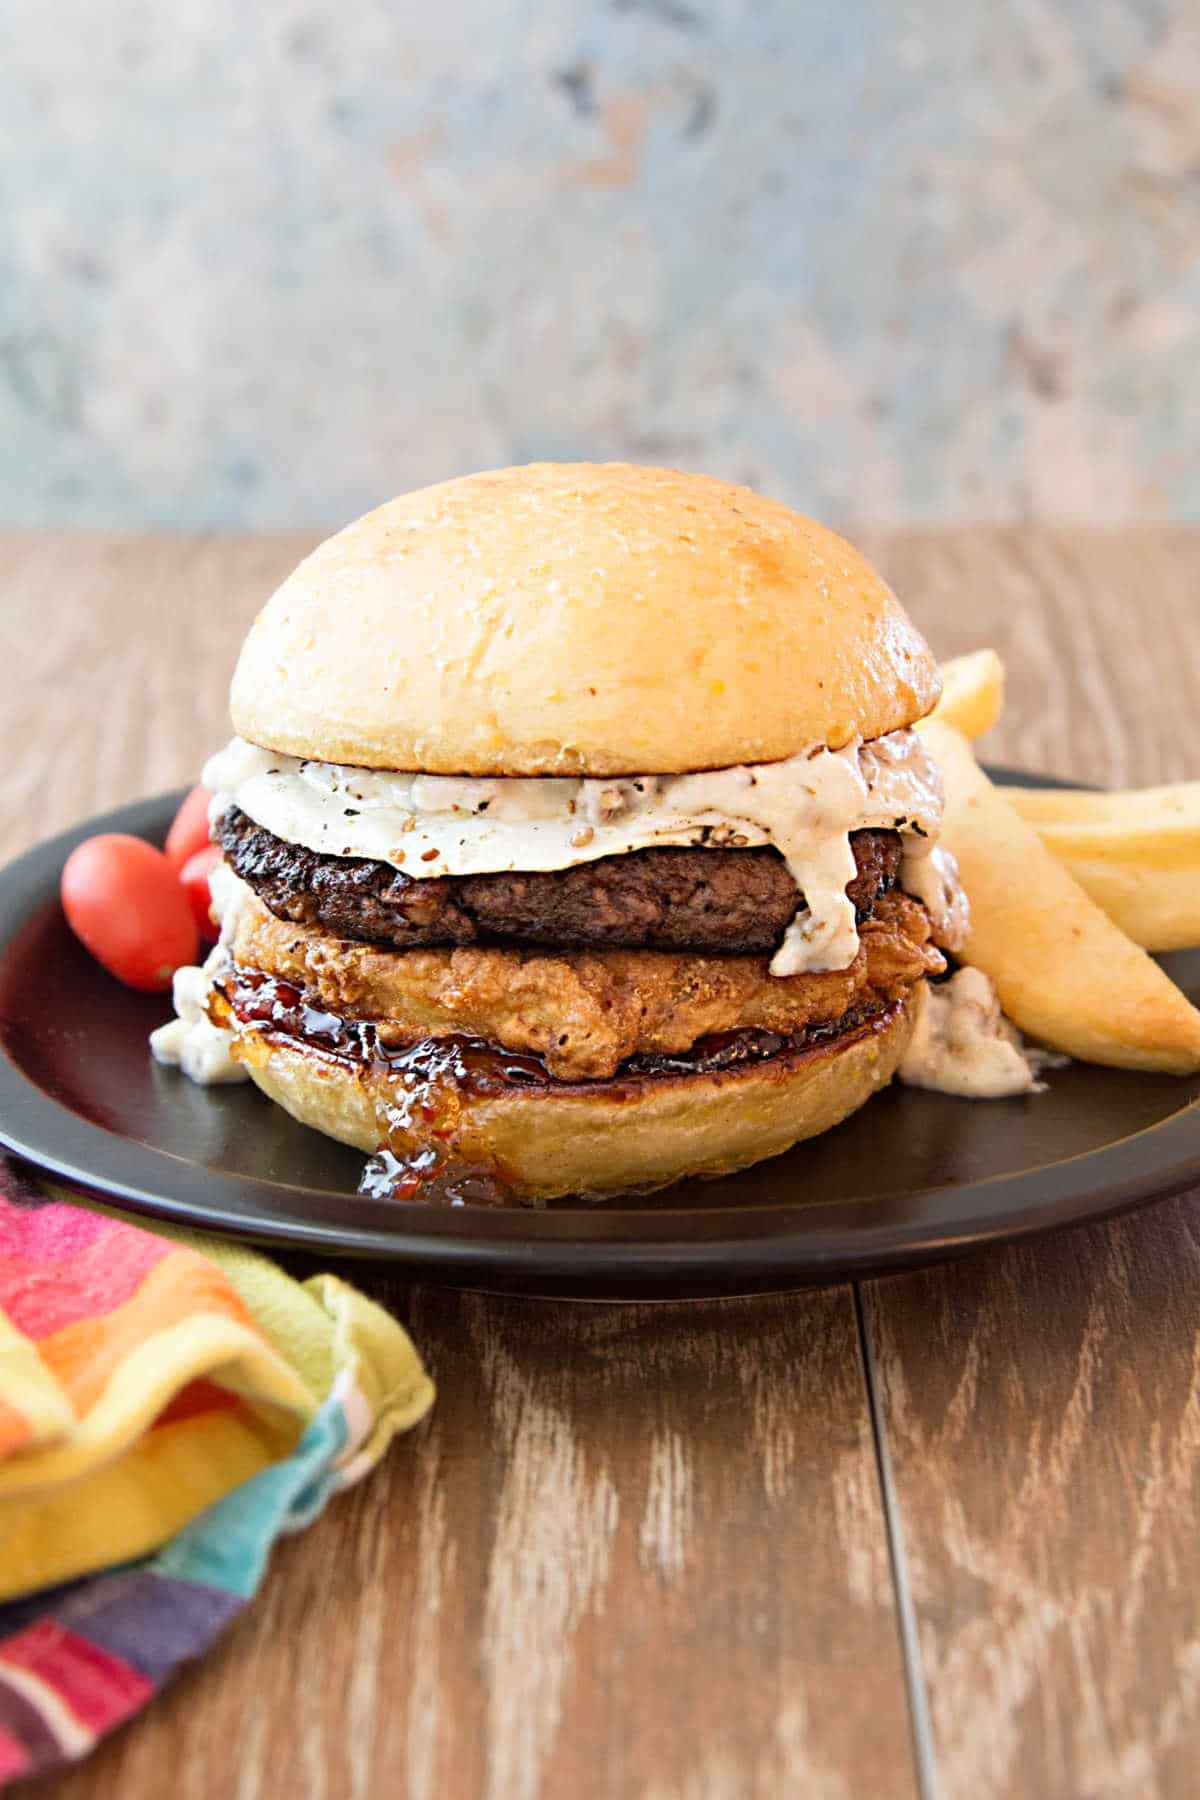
(578, 618)
(603, 1137)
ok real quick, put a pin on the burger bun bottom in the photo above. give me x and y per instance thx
(603, 1137)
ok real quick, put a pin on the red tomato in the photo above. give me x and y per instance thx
(123, 900)
(189, 828)
(194, 876)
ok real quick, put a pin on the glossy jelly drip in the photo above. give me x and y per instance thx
(431, 1180)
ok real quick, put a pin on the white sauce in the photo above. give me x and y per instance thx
(807, 806)
(191, 1041)
(964, 1045)
(932, 878)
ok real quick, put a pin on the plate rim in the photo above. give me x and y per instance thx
(783, 1244)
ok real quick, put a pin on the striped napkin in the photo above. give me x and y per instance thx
(169, 1404)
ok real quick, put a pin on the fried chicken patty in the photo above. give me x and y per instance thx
(739, 902)
(584, 1012)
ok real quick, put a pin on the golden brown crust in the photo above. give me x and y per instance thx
(607, 1136)
(583, 1011)
(579, 619)
(1063, 971)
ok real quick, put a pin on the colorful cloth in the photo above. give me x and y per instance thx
(168, 1405)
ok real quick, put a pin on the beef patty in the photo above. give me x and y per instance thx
(732, 902)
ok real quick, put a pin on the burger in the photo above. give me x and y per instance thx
(576, 837)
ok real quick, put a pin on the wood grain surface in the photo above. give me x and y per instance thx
(636, 1550)
(658, 1550)
(1042, 1414)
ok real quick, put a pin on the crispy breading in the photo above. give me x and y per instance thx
(583, 1011)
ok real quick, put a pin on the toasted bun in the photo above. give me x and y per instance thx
(577, 618)
(601, 1137)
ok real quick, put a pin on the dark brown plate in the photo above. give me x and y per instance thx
(912, 1177)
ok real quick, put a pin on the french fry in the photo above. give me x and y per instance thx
(1064, 972)
(972, 693)
(1137, 853)
(1174, 809)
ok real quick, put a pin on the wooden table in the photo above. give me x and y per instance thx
(938, 1534)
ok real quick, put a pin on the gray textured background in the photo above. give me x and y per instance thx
(269, 263)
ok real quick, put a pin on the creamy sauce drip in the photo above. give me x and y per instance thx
(962, 1044)
(192, 1041)
(806, 807)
